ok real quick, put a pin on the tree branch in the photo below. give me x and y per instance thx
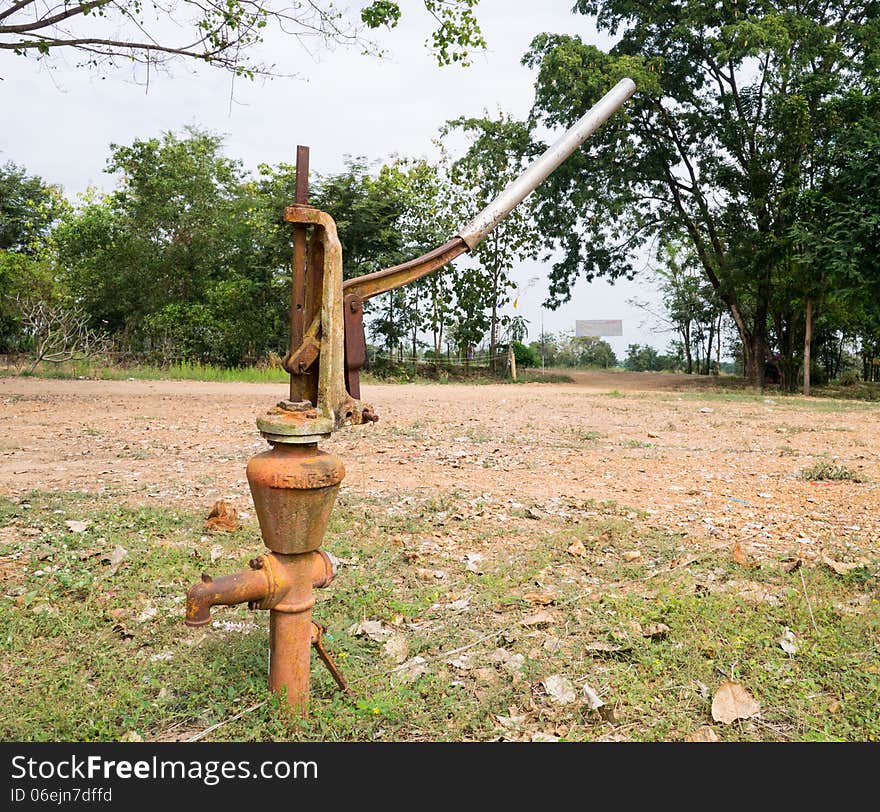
(16, 7)
(45, 22)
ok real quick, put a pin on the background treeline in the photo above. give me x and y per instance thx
(743, 176)
(189, 258)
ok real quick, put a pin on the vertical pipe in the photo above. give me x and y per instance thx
(290, 633)
(290, 650)
(298, 284)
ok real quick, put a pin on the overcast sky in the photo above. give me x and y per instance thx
(58, 123)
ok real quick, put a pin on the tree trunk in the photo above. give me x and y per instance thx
(808, 337)
(493, 330)
(708, 363)
(687, 349)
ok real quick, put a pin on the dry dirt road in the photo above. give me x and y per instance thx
(718, 468)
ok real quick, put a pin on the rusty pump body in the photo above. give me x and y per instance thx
(294, 485)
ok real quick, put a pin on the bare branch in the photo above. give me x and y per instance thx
(45, 22)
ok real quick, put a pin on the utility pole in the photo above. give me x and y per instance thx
(542, 340)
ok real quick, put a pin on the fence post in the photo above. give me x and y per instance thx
(511, 359)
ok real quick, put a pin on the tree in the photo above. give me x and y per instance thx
(221, 33)
(569, 350)
(182, 241)
(715, 148)
(547, 349)
(29, 208)
(839, 230)
(58, 332)
(23, 276)
(643, 358)
(495, 156)
(690, 306)
(523, 355)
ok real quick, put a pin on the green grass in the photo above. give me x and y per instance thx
(828, 470)
(92, 655)
(194, 371)
(183, 371)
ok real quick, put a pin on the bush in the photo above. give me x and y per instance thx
(850, 377)
(525, 356)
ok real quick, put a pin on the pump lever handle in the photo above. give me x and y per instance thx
(469, 237)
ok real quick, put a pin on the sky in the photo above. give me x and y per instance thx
(58, 123)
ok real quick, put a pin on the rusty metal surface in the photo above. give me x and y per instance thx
(266, 585)
(318, 642)
(298, 316)
(294, 489)
(242, 587)
(355, 343)
(333, 406)
(372, 284)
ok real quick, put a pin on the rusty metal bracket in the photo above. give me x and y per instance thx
(326, 403)
(318, 642)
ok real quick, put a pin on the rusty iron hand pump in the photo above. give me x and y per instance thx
(294, 485)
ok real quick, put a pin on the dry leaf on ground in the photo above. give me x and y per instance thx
(374, 629)
(741, 557)
(511, 722)
(656, 631)
(559, 689)
(541, 618)
(396, 648)
(787, 642)
(412, 669)
(544, 737)
(222, 518)
(75, 526)
(841, 567)
(632, 555)
(577, 548)
(541, 598)
(732, 702)
(593, 700)
(472, 562)
(116, 558)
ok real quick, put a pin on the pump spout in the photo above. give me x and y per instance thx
(242, 587)
(268, 584)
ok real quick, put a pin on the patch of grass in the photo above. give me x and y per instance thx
(183, 371)
(578, 435)
(89, 654)
(828, 470)
(852, 391)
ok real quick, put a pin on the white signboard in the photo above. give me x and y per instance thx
(598, 327)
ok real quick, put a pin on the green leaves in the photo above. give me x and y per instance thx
(720, 147)
(381, 12)
(224, 33)
(458, 32)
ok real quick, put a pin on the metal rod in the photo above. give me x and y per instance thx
(520, 188)
(298, 283)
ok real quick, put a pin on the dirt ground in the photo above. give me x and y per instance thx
(718, 468)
